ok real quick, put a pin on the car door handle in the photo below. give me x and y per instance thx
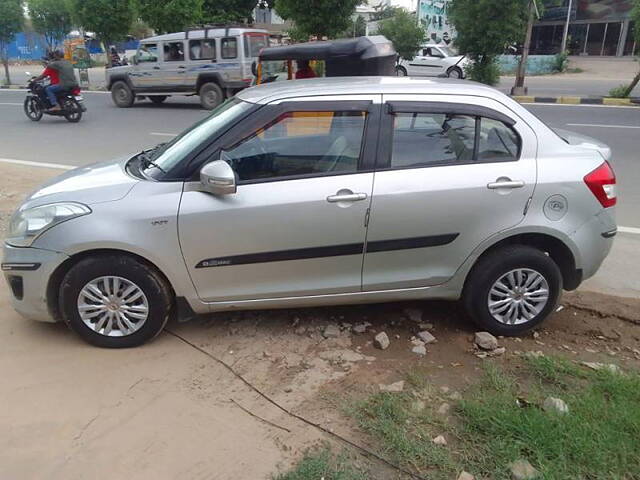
(505, 183)
(347, 197)
(156, 68)
(182, 66)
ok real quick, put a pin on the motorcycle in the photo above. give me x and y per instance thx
(37, 104)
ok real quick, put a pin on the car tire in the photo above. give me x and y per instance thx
(122, 95)
(157, 99)
(211, 95)
(401, 71)
(490, 281)
(455, 72)
(99, 291)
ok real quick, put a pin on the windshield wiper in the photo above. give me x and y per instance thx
(147, 161)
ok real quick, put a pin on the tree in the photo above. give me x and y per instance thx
(320, 18)
(110, 20)
(485, 28)
(11, 21)
(360, 27)
(170, 16)
(404, 32)
(635, 18)
(383, 10)
(229, 11)
(51, 18)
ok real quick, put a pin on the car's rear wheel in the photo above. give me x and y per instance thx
(401, 71)
(211, 95)
(115, 301)
(454, 72)
(512, 289)
(157, 99)
(122, 95)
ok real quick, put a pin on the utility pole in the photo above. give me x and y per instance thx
(519, 88)
(565, 35)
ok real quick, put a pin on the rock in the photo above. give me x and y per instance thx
(413, 314)
(555, 405)
(602, 366)
(456, 396)
(590, 350)
(418, 405)
(497, 352)
(301, 330)
(536, 335)
(339, 356)
(482, 354)
(440, 440)
(331, 331)
(420, 350)
(381, 341)
(523, 470)
(426, 326)
(444, 409)
(426, 337)
(465, 476)
(361, 327)
(486, 341)
(444, 389)
(288, 390)
(393, 387)
(536, 354)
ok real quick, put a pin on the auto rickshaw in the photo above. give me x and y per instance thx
(370, 55)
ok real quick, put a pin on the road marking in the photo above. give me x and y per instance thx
(633, 230)
(37, 164)
(7, 103)
(160, 134)
(600, 125)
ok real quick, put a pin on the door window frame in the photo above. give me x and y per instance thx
(391, 107)
(270, 113)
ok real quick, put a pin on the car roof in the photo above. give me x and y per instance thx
(364, 85)
(212, 32)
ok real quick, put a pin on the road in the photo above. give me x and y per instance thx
(107, 132)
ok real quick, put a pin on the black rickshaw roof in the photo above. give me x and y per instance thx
(361, 48)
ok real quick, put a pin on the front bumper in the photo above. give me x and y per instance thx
(27, 272)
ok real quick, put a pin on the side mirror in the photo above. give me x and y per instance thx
(218, 178)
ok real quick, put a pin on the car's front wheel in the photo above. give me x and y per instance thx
(512, 289)
(122, 95)
(454, 72)
(401, 71)
(115, 301)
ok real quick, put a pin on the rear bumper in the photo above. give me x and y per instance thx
(594, 240)
(27, 272)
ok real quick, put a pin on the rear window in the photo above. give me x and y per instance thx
(253, 44)
(229, 47)
(202, 49)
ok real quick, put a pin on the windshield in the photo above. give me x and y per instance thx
(171, 154)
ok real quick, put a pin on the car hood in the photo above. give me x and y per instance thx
(97, 183)
(579, 140)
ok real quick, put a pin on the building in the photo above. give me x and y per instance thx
(433, 16)
(596, 27)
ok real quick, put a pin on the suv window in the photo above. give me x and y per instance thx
(300, 143)
(148, 52)
(253, 44)
(202, 49)
(174, 52)
(426, 139)
(229, 47)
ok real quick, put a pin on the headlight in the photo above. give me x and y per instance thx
(27, 224)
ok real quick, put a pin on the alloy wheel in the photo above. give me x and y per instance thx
(113, 306)
(518, 296)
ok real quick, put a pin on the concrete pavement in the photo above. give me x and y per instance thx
(107, 132)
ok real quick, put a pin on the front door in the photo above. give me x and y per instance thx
(296, 225)
(428, 62)
(146, 72)
(455, 171)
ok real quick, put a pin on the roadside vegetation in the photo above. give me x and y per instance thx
(321, 463)
(502, 419)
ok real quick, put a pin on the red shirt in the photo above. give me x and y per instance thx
(305, 73)
(52, 74)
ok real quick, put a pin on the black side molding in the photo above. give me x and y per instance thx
(610, 233)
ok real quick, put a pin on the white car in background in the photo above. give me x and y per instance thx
(434, 61)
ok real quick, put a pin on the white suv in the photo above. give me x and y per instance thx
(434, 61)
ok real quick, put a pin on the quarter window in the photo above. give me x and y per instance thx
(148, 52)
(427, 139)
(300, 144)
(202, 49)
(174, 52)
(229, 47)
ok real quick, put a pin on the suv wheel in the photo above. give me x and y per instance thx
(512, 289)
(211, 95)
(114, 301)
(122, 95)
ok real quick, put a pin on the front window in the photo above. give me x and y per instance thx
(253, 44)
(148, 52)
(300, 144)
(170, 155)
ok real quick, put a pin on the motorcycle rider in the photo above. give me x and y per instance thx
(61, 72)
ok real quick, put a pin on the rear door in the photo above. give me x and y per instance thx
(202, 55)
(173, 75)
(296, 225)
(453, 172)
(428, 62)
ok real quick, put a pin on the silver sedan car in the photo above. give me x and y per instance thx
(321, 192)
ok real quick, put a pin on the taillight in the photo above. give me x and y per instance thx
(75, 91)
(602, 183)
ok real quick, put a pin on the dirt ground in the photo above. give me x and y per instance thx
(224, 396)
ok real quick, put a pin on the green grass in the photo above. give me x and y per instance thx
(322, 464)
(619, 92)
(598, 439)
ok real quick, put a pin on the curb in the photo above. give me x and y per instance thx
(617, 102)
